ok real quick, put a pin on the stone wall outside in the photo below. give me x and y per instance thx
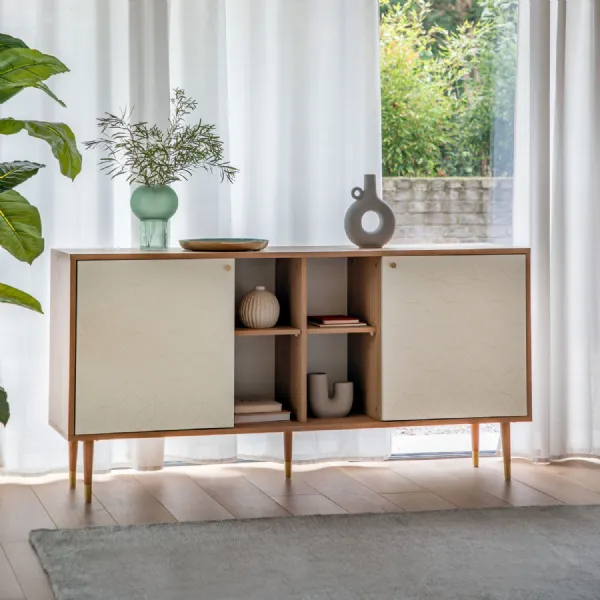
(450, 210)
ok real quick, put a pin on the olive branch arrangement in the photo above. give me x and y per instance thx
(153, 157)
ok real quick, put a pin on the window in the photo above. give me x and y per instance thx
(448, 78)
(448, 74)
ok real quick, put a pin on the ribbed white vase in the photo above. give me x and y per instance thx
(259, 309)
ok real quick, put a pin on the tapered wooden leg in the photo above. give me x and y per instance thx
(88, 467)
(287, 452)
(72, 464)
(475, 443)
(505, 428)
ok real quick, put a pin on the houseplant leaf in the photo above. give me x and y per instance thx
(8, 93)
(8, 41)
(58, 135)
(16, 172)
(20, 227)
(42, 86)
(4, 408)
(11, 295)
(22, 67)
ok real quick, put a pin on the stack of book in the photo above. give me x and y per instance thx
(335, 321)
(258, 410)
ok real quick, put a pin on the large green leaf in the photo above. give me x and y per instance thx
(20, 227)
(16, 172)
(4, 408)
(8, 41)
(6, 93)
(11, 295)
(42, 86)
(58, 135)
(22, 67)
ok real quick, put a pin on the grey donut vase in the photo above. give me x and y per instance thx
(366, 200)
(324, 406)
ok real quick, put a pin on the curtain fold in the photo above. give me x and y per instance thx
(561, 137)
(293, 89)
(300, 106)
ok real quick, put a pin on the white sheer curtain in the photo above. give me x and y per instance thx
(557, 211)
(293, 88)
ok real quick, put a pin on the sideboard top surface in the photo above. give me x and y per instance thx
(291, 252)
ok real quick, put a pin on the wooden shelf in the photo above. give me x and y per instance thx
(312, 424)
(246, 332)
(314, 330)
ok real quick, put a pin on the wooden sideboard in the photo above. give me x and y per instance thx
(146, 344)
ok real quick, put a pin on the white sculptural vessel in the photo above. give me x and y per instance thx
(322, 404)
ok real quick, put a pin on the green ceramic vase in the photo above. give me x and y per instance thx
(154, 206)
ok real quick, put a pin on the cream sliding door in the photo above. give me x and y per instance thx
(454, 342)
(154, 345)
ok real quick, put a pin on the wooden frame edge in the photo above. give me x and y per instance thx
(528, 334)
(294, 252)
(345, 423)
(72, 344)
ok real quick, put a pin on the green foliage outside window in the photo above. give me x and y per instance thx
(448, 87)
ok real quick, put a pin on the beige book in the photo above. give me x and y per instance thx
(245, 406)
(284, 415)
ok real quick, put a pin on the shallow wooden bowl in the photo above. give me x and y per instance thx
(224, 244)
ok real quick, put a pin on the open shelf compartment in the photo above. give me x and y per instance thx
(271, 362)
(275, 362)
(347, 286)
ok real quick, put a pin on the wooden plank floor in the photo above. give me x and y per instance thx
(259, 490)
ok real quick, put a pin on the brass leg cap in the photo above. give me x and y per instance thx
(72, 480)
(288, 470)
(87, 489)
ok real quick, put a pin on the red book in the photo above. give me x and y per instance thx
(333, 319)
(333, 325)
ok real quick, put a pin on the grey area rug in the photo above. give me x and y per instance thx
(548, 553)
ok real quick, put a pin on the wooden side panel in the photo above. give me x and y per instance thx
(529, 357)
(61, 363)
(364, 350)
(155, 345)
(454, 337)
(291, 351)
